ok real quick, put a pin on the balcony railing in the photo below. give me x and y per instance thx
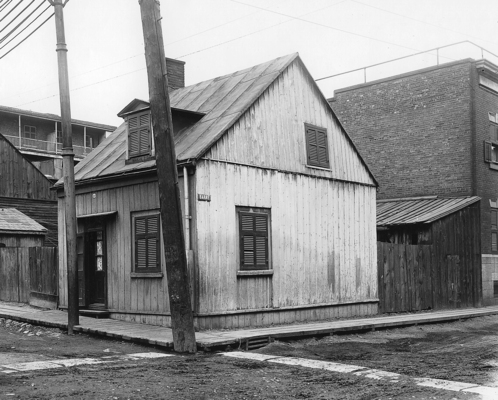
(43, 146)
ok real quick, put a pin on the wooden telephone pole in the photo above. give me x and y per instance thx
(67, 169)
(182, 322)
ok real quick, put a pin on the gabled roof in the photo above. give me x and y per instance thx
(13, 221)
(53, 117)
(419, 210)
(220, 101)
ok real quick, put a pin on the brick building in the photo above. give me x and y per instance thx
(433, 131)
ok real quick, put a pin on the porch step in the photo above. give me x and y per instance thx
(95, 313)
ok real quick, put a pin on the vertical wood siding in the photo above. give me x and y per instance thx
(272, 134)
(19, 178)
(123, 292)
(323, 239)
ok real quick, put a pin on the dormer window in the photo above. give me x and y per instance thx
(139, 136)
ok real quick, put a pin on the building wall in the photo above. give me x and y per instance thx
(125, 295)
(22, 240)
(271, 133)
(323, 243)
(414, 130)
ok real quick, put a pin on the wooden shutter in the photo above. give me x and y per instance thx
(147, 256)
(253, 229)
(487, 151)
(139, 135)
(494, 229)
(317, 147)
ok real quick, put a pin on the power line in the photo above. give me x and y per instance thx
(18, 4)
(421, 21)
(260, 30)
(26, 27)
(20, 23)
(326, 26)
(17, 45)
(17, 16)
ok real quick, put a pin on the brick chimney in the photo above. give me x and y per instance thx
(176, 73)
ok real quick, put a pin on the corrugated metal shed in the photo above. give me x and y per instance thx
(419, 210)
(14, 222)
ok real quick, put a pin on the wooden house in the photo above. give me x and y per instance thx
(38, 136)
(279, 207)
(429, 253)
(25, 188)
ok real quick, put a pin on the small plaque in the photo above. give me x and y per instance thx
(204, 197)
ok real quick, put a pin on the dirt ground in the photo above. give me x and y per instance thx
(463, 351)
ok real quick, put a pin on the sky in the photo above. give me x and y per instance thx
(216, 37)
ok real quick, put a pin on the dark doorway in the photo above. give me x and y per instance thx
(92, 266)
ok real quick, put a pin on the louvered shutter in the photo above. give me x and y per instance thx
(253, 228)
(317, 147)
(139, 139)
(487, 151)
(493, 133)
(147, 246)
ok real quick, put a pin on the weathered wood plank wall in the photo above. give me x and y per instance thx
(23, 269)
(323, 248)
(445, 274)
(124, 293)
(271, 133)
(20, 178)
(43, 270)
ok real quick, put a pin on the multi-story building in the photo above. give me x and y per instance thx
(433, 131)
(38, 137)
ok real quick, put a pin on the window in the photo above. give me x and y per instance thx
(59, 136)
(494, 229)
(491, 145)
(495, 289)
(139, 140)
(254, 239)
(146, 246)
(29, 132)
(316, 146)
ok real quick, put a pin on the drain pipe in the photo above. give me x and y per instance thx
(187, 210)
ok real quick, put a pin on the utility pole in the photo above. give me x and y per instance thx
(182, 322)
(67, 169)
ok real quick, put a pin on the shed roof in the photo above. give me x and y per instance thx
(15, 222)
(220, 101)
(419, 210)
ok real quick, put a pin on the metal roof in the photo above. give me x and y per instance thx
(222, 100)
(15, 222)
(53, 117)
(419, 210)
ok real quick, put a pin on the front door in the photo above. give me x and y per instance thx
(92, 268)
(95, 268)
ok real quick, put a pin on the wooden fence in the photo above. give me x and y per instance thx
(29, 275)
(417, 277)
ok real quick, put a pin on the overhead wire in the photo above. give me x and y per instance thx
(26, 27)
(17, 16)
(20, 23)
(420, 21)
(22, 41)
(6, 15)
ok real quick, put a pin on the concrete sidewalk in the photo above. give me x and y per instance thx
(244, 339)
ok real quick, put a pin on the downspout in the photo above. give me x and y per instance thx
(187, 210)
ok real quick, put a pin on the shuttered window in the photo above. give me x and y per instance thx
(139, 134)
(147, 245)
(494, 229)
(254, 240)
(317, 146)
